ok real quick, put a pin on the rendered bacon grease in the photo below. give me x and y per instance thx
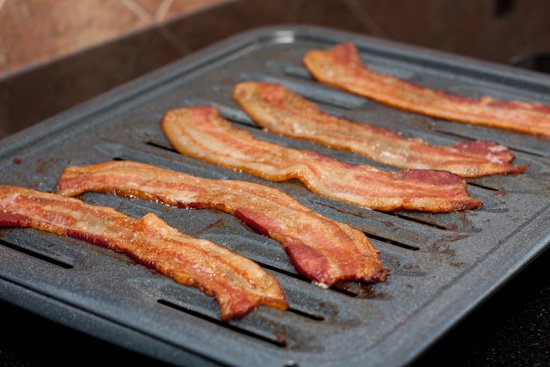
(342, 68)
(238, 284)
(281, 111)
(200, 132)
(321, 249)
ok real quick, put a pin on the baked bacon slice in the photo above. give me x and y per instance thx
(342, 68)
(200, 132)
(238, 284)
(281, 111)
(321, 249)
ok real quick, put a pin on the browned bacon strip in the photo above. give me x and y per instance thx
(238, 284)
(342, 68)
(321, 249)
(281, 111)
(200, 132)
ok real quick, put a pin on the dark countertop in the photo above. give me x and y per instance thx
(511, 328)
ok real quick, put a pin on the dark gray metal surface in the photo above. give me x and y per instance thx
(442, 265)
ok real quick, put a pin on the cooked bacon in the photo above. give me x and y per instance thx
(342, 68)
(200, 132)
(238, 284)
(321, 249)
(281, 111)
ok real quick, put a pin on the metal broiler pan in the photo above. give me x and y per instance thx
(442, 265)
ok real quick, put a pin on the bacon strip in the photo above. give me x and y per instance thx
(342, 68)
(321, 249)
(200, 132)
(238, 284)
(281, 111)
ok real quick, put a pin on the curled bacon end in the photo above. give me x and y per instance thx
(200, 132)
(341, 67)
(279, 110)
(321, 249)
(238, 284)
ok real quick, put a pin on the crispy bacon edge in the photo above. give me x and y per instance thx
(238, 284)
(321, 249)
(281, 111)
(341, 67)
(200, 132)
